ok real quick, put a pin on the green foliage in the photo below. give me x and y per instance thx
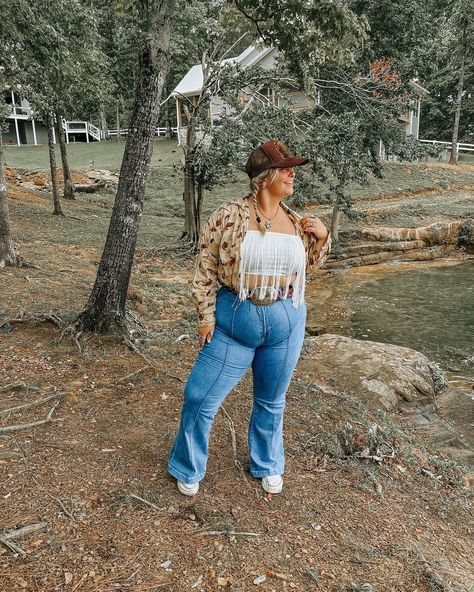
(53, 53)
(120, 30)
(452, 47)
(319, 30)
(410, 149)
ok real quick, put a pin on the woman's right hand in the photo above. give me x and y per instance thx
(205, 335)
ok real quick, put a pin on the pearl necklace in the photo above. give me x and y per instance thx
(268, 222)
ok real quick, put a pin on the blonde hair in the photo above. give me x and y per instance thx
(256, 185)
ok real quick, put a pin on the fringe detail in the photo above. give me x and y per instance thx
(270, 258)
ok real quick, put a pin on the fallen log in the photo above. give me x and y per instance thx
(90, 188)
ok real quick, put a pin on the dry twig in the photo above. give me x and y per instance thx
(233, 438)
(8, 536)
(228, 533)
(132, 374)
(28, 405)
(143, 501)
(14, 386)
(23, 426)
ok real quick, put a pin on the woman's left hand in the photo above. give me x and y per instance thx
(313, 225)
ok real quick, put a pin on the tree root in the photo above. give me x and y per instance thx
(71, 331)
(175, 250)
(40, 317)
(151, 363)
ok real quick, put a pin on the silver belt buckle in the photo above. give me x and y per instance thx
(267, 300)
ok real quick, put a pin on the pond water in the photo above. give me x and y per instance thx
(430, 310)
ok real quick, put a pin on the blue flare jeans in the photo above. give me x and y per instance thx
(268, 338)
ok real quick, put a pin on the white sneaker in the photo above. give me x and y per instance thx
(273, 483)
(188, 489)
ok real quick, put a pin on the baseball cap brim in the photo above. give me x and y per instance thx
(290, 162)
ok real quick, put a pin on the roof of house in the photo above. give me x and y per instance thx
(416, 86)
(191, 84)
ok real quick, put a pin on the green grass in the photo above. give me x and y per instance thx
(164, 211)
(104, 155)
(466, 158)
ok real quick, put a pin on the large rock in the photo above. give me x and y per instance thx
(381, 374)
(466, 236)
(439, 233)
(396, 379)
(423, 254)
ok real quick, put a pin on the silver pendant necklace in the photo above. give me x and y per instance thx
(268, 222)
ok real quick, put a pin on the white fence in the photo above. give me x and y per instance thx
(81, 127)
(160, 131)
(460, 146)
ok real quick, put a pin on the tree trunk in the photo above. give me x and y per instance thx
(169, 123)
(190, 231)
(52, 164)
(68, 184)
(457, 115)
(103, 124)
(105, 309)
(200, 199)
(335, 221)
(8, 255)
(117, 114)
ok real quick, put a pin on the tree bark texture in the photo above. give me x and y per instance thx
(8, 254)
(200, 200)
(52, 165)
(167, 114)
(335, 221)
(117, 116)
(68, 184)
(103, 123)
(191, 230)
(105, 309)
(457, 115)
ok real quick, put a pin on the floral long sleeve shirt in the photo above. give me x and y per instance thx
(218, 258)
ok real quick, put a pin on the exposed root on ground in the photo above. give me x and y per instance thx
(39, 317)
(183, 248)
(150, 362)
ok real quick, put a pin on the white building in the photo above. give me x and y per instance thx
(24, 128)
(190, 87)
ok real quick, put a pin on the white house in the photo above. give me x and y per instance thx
(24, 128)
(190, 87)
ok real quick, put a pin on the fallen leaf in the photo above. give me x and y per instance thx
(197, 582)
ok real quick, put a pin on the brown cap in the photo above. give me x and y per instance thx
(272, 155)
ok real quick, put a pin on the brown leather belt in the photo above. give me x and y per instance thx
(269, 299)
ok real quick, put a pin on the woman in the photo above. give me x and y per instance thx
(249, 289)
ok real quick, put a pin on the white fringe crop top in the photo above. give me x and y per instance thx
(267, 259)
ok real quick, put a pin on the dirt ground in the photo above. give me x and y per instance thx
(94, 475)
